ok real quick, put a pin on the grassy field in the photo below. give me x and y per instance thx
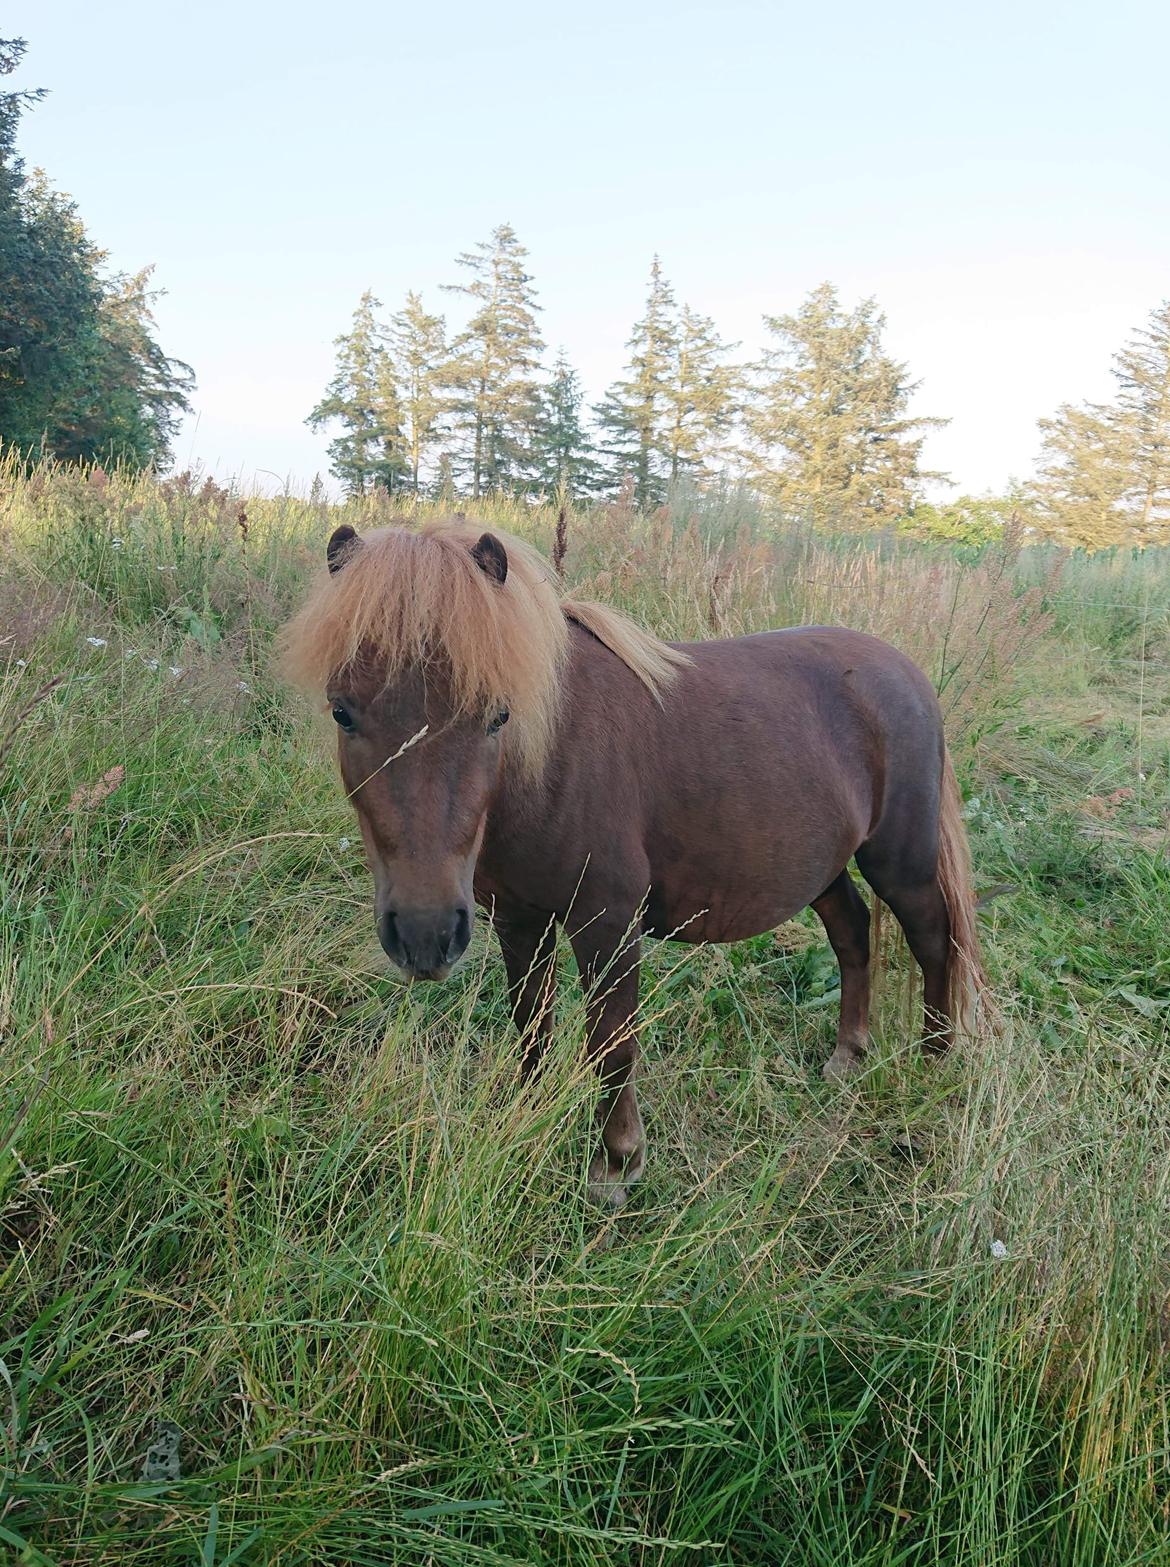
(293, 1272)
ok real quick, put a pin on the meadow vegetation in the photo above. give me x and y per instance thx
(294, 1272)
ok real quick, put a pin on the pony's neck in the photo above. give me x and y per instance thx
(603, 707)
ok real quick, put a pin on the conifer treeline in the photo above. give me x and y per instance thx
(820, 422)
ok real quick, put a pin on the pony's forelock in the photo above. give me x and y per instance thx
(404, 599)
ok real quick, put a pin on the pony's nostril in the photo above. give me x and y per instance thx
(460, 935)
(388, 935)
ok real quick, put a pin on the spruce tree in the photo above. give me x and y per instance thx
(563, 456)
(419, 345)
(830, 437)
(1104, 473)
(633, 416)
(363, 398)
(1142, 370)
(1080, 485)
(492, 372)
(700, 398)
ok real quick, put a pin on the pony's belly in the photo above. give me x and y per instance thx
(708, 886)
(726, 915)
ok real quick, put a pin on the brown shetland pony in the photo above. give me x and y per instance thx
(553, 763)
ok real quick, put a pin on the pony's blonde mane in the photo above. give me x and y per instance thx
(404, 599)
(654, 662)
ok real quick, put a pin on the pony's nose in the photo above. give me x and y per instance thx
(426, 943)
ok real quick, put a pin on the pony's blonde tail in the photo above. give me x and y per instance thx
(966, 980)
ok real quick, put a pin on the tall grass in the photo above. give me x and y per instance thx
(299, 1230)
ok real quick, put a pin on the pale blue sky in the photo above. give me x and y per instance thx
(997, 175)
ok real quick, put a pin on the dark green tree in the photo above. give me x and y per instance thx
(371, 451)
(133, 397)
(634, 414)
(82, 376)
(418, 342)
(564, 460)
(700, 398)
(494, 393)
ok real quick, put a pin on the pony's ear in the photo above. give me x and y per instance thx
(342, 544)
(491, 556)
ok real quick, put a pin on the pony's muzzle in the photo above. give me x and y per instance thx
(425, 943)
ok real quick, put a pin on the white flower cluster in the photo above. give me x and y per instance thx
(177, 670)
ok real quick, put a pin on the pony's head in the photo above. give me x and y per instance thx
(438, 653)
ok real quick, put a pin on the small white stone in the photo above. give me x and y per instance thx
(998, 1250)
(343, 843)
(96, 641)
(242, 685)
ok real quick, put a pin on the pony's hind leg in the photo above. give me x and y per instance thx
(922, 914)
(846, 920)
(921, 910)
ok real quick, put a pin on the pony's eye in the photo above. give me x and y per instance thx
(499, 720)
(342, 717)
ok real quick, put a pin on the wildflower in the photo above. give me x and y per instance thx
(96, 641)
(167, 568)
(86, 797)
(151, 663)
(177, 670)
(998, 1250)
(89, 797)
(343, 843)
(242, 685)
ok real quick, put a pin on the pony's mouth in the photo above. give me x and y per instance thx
(410, 976)
(425, 946)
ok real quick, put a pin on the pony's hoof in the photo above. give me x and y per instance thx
(840, 1065)
(609, 1187)
(608, 1194)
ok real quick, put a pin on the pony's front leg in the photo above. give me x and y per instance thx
(529, 944)
(608, 956)
(846, 920)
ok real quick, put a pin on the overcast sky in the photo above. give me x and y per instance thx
(997, 175)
